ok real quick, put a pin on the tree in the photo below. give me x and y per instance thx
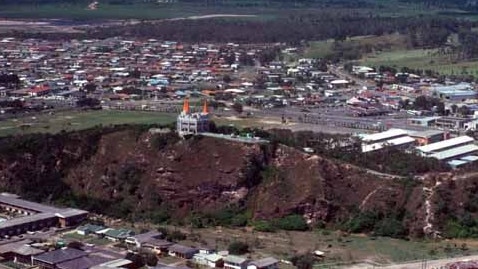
(226, 78)
(88, 102)
(292, 223)
(150, 259)
(464, 110)
(237, 107)
(136, 259)
(238, 248)
(305, 261)
(454, 108)
(75, 244)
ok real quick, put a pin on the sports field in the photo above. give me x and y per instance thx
(78, 120)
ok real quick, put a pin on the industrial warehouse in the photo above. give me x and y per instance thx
(31, 216)
(436, 144)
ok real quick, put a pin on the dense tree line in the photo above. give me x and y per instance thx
(290, 26)
(424, 31)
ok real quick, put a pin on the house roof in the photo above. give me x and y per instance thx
(82, 262)
(121, 233)
(264, 262)
(60, 255)
(158, 243)
(90, 227)
(234, 259)
(165, 266)
(213, 257)
(145, 237)
(114, 263)
(182, 249)
(10, 247)
(27, 250)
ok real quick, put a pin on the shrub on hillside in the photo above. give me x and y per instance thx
(292, 223)
(238, 248)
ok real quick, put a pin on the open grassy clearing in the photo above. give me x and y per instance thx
(77, 120)
(150, 10)
(339, 248)
(324, 48)
(146, 11)
(421, 59)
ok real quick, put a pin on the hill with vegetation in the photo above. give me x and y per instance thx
(128, 172)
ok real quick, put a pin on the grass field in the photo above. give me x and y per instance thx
(143, 11)
(339, 248)
(77, 120)
(147, 10)
(421, 59)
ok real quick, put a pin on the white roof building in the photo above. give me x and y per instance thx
(444, 145)
(455, 152)
(389, 134)
(400, 141)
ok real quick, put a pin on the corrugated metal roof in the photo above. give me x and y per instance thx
(265, 262)
(234, 259)
(27, 219)
(392, 142)
(455, 152)
(445, 144)
(384, 135)
(12, 200)
(60, 255)
(470, 158)
(457, 163)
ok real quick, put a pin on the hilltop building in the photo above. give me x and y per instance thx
(192, 123)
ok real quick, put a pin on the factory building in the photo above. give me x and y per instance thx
(35, 216)
(389, 138)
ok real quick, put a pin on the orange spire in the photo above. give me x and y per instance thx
(204, 107)
(186, 106)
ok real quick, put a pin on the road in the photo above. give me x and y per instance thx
(337, 116)
(425, 264)
(341, 73)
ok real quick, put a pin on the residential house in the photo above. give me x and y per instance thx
(181, 251)
(19, 251)
(88, 229)
(214, 260)
(139, 239)
(235, 262)
(50, 260)
(157, 246)
(118, 235)
(265, 263)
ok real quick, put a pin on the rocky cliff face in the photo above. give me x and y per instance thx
(130, 172)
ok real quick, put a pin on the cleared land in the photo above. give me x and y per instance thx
(142, 11)
(340, 248)
(421, 59)
(77, 120)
